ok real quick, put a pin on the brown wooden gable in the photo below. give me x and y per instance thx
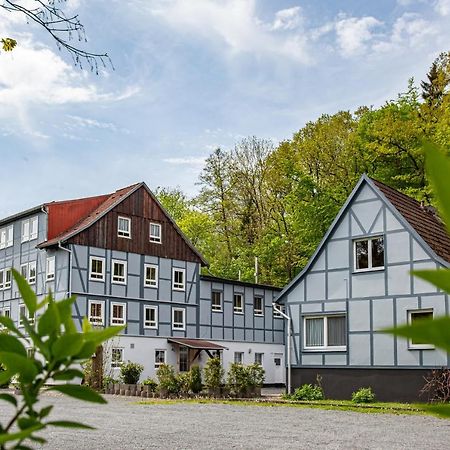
(142, 208)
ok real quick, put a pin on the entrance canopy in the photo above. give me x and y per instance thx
(198, 344)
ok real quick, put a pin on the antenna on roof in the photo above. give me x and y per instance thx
(256, 269)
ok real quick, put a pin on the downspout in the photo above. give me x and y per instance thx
(69, 292)
(289, 337)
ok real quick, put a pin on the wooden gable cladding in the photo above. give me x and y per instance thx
(142, 209)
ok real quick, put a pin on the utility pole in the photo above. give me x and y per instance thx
(277, 308)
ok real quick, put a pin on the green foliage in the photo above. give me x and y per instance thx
(167, 381)
(195, 381)
(363, 395)
(213, 374)
(308, 392)
(184, 383)
(4, 383)
(153, 385)
(256, 375)
(237, 379)
(57, 349)
(8, 44)
(130, 372)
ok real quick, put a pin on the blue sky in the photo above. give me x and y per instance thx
(192, 75)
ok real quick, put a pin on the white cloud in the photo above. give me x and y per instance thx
(195, 161)
(234, 24)
(287, 19)
(354, 34)
(442, 7)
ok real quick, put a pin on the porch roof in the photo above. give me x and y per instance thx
(199, 344)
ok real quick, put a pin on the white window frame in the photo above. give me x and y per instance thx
(121, 280)
(238, 309)
(116, 364)
(148, 282)
(412, 346)
(30, 229)
(325, 347)
(6, 281)
(27, 313)
(178, 286)
(164, 352)
(93, 275)
(258, 312)
(118, 320)
(262, 358)
(180, 326)
(276, 311)
(101, 317)
(7, 236)
(24, 270)
(147, 323)
(124, 233)
(25, 228)
(153, 237)
(32, 266)
(50, 274)
(217, 308)
(241, 357)
(369, 254)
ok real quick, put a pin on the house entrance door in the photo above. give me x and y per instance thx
(184, 359)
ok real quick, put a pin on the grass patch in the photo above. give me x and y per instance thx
(333, 405)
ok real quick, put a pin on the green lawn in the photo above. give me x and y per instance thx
(337, 405)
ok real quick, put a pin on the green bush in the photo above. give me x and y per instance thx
(153, 385)
(308, 392)
(109, 380)
(167, 380)
(130, 372)
(363, 395)
(238, 380)
(213, 374)
(184, 382)
(256, 375)
(196, 380)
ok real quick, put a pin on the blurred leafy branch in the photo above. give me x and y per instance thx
(55, 351)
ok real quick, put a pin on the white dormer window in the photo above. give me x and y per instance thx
(29, 229)
(155, 232)
(369, 254)
(124, 227)
(7, 236)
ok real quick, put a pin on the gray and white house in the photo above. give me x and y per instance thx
(359, 282)
(129, 264)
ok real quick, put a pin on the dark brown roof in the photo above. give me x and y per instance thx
(214, 279)
(426, 223)
(199, 344)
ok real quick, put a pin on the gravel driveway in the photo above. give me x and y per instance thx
(124, 425)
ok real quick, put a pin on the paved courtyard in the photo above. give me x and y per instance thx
(123, 424)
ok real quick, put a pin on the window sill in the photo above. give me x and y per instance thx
(125, 237)
(147, 327)
(122, 283)
(258, 314)
(179, 289)
(241, 313)
(152, 286)
(217, 310)
(324, 349)
(375, 269)
(422, 347)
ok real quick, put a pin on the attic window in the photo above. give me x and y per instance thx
(155, 232)
(124, 227)
(369, 254)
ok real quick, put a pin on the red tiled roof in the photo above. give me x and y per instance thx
(89, 210)
(199, 344)
(426, 223)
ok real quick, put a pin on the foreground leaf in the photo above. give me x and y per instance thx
(20, 435)
(68, 375)
(9, 398)
(11, 344)
(103, 335)
(21, 365)
(429, 331)
(79, 392)
(67, 345)
(440, 277)
(28, 295)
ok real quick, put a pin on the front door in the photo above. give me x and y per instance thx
(184, 359)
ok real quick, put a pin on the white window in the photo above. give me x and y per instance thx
(160, 358)
(119, 272)
(415, 317)
(124, 227)
(369, 254)
(5, 279)
(96, 312)
(259, 358)
(276, 311)
(23, 312)
(5, 312)
(216, 301)
(24, 270)
(155, 232)
(258, 308)
(50, 268)
(150, 317)
(238, 306)
(118, 313)
(6, 236)
(28, 271)
(239, 357)
(325, 332)
(151, 275)
(116, 356)
(29, 229)
(178, 276)
(97, 268)
(178, 318)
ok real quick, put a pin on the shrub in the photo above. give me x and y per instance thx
(109, 380)
(437, 385)
(166, 379)
(153, 385)
(213, 374)
(256, 375)
(130, 372)
(196, 380)
(308, 392)
(184, 382)
(238, 379)
(363, 395)
(6, 384)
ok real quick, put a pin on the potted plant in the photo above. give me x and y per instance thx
(213, 376)
(149, 387)
(130, 373)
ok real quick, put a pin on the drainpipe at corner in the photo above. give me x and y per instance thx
(69, 292)
(288, 350)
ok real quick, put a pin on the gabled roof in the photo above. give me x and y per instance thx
(101, 206)
(214, 279)
(419, 220)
